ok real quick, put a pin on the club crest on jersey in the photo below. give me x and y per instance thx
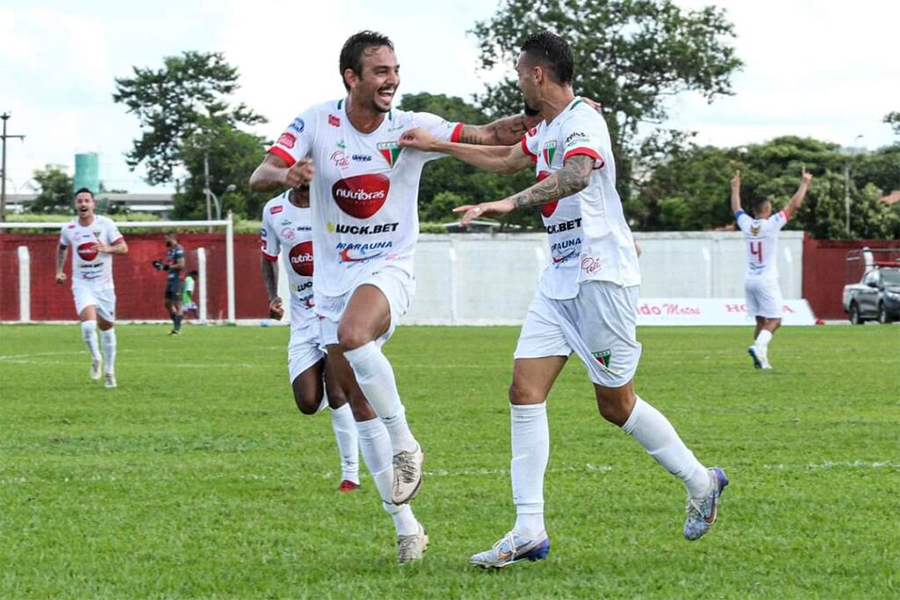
(754, 230)
(390, 151)
(549, 151)
(603, 357)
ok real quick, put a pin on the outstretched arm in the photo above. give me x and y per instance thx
(502, 132)
(797, 198)
(274, 174)
(736, 192)
(499, 159)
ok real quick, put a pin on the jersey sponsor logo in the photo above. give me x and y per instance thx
(576, 138)
(276, 209)
(264, 233)
(287, 234)
(568, 248)
(362, 252)
(334, 121)
(532, 132)
(363, 195)
(564, 226)
(365, 229)
(754, 230)
(287, 140)
(88, 250)
(297, 125)
(549, 151)
(548, 208)
(301, 257)
(390, 151)
(362, 158)
(72, 226)
(341, 160)
(590, 264)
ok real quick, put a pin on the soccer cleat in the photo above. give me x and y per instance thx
(95, 369)
(702, 512)
(756, 362)
(410, 548)
(110, 381)
(407, 475)
(174, 332)
(511, 549)
(348, 486)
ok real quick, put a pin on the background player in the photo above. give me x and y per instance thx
(174, 264)
(188, 303)
(94, 239)
(586, 300)
(761, 291)
(365, 227)
(286, 223)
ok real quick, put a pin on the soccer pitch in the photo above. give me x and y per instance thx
(198, 478)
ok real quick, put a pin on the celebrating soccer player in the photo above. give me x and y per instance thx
(94, 239)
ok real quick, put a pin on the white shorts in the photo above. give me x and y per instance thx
(599, 325)
(396, 285)
(763, 297)
(304, 349)
(103, 299)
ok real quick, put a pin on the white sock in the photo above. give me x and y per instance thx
(654, 432)
(530, 454)
(375, 446)
(762, 342)
(376, 379)
(89, 335)
(345, 433)
(108, 342)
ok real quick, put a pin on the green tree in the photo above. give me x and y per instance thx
(56, 190)
(893, 119)
(631, 55)
(189, 96)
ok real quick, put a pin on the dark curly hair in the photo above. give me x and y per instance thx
(550, 50)
(356, 44)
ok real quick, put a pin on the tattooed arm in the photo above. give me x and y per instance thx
(502, 132)
(61, 252)
(571, 179)
(499, 159)
(269, 270)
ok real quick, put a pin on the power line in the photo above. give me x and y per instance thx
(5, 117)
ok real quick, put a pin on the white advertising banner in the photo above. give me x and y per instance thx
(713, 311)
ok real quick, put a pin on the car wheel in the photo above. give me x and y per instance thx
(883, 317)
(855, 318)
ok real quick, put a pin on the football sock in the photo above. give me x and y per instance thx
(89, 335)
(108, 342)
(345, 433)
(375, 445)
(762, 341)
(530, 454)
(176, 319)
(654, 432)
(376, 379)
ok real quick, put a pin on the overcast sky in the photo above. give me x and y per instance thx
(824, 68)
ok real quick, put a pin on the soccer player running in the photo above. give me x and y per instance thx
(586, 299)
(173, 264)
(365, 227)
(286, 223)
(95, 240)
(761, 291)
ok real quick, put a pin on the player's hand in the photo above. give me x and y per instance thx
(805, 176)
(158, 265)
(60, 277)
(276, 309)
(595, 105)
(498, 208)
(103, 248)
(736, 181)
(300, 173)
(418, 139)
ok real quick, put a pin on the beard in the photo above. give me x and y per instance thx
(530, 112)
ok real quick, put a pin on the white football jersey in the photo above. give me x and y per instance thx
(587, 233)
(290, 227)
(89, 266)
(364, 195)
(761, 236)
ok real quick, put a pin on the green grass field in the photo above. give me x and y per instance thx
(197, 477)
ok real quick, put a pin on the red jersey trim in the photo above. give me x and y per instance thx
(528, 152)
(269, 257)
(787, 217)
(457, 131)
(585, 152)
(283, 154)
(117, 240)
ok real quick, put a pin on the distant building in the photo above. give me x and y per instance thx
(155, 204)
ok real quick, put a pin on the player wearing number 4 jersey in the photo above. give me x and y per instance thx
(586, 300)
(365, 225)
(286, 225)
(94, 239)
(763, 296)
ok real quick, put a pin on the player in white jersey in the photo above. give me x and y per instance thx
(365, 226)
(286, 224)
(761, 291)
(586, 301)
(94, 240)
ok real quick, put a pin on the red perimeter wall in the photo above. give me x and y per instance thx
(825, 272)
(139, 287)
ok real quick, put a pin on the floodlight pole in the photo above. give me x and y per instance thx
(5, 117)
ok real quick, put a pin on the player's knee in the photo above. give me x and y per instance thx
(520, 394)
(614, 408)
(307, 402)
(351, 338)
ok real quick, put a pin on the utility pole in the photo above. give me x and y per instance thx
(206, 186)
(5, 117)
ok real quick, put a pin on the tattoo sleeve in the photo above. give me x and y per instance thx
(502, 132)
(61, 252)
(270, 277)
(572, 178)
